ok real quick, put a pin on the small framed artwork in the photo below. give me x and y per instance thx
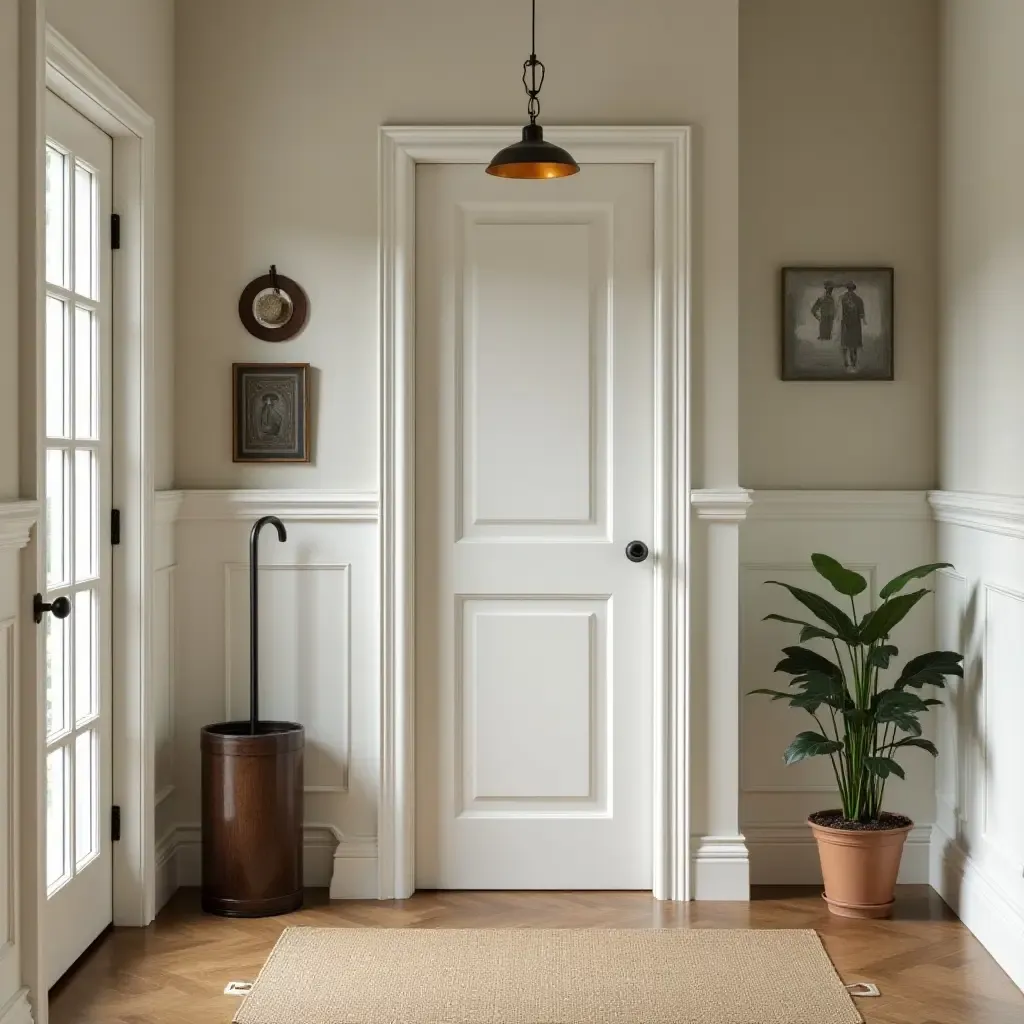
(271, 412)
(837, 323)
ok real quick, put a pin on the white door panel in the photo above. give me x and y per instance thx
(77, 481)
(534, 470)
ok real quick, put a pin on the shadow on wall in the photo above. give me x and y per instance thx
(964, 699)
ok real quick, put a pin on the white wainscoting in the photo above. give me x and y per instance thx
(319, 656)
(167, 508)
(879, 533)
(978, 839)
(17, 519)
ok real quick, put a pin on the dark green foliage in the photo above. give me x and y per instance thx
(866, 719)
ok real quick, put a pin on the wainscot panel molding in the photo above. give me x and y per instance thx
(17, 1010)
(345, 864)
(16, 521)
(320, 656)
(993, 513)
(786, 854)
(296, 505)
(879, 534)
(848, 506)
(978, 841)
(985, 907)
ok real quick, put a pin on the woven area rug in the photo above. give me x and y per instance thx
(547, 976)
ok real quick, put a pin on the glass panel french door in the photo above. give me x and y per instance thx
(77, 486)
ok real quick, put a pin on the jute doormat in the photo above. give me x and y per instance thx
(547, 976)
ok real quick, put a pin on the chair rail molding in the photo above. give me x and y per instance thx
(167, 506)
(16, 521)
(728, 505)
(860, 506)
(296, 505)
(994, 513)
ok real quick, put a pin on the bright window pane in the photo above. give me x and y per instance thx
(86, 390)
(86, 832)
(58, 518)
(58, 861)
(56, 217)
(86, 514)
(84, 618)
(57, 675)
(85, 232)
(58, 368)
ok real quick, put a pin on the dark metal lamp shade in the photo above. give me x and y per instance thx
(532, 157)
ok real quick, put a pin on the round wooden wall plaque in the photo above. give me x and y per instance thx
(273, 307)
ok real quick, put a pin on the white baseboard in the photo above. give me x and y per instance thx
(354, 875)
(721, 868)
(166, 868)
(997, 923)
(786, 854)
(18, 1010)
(347, 866)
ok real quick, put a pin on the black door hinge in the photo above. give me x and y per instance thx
(115, 526)
(115, 823)
(115, 231)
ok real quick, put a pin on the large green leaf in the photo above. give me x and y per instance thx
(881, 656)
(810, 744)
(897, 583)
(818, 688)
(881, 621)
(774, 694)
(825, 610)
(916, 741)
(883, 767)
(809, 631)
(843, 580)
(799, 660)
(896, 702)
(931, 668)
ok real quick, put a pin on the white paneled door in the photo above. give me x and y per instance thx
(77, 483)
(535, 472)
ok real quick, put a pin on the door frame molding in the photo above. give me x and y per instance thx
(67, 72)
(667, 150)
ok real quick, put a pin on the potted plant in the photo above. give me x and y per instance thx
(862, 726)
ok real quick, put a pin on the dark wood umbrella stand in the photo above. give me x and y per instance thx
(252, 796)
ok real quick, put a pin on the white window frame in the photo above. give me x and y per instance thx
(667, 150)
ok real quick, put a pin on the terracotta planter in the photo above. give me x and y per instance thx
(860, 868)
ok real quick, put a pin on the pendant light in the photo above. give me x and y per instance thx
(532, 157)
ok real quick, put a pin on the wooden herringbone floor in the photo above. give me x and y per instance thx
(930, 969)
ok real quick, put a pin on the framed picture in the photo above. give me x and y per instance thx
(837, 323)
(271, 412)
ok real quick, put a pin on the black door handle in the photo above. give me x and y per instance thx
(60, 608)
(637, 551)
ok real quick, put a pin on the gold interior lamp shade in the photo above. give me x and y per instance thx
(532, 157)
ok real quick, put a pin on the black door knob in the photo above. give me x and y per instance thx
(60, 608)
(637, 551)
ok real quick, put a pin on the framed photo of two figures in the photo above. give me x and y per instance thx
(837, 323)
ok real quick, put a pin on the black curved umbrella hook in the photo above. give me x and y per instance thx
(254, 608)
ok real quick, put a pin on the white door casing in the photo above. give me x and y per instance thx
(535, 466)
(77, 474)
(666, 151)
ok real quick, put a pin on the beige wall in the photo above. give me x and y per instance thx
(278, 107)
(982, 361)
(838, 164)
(132, 41)
(9, 249)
